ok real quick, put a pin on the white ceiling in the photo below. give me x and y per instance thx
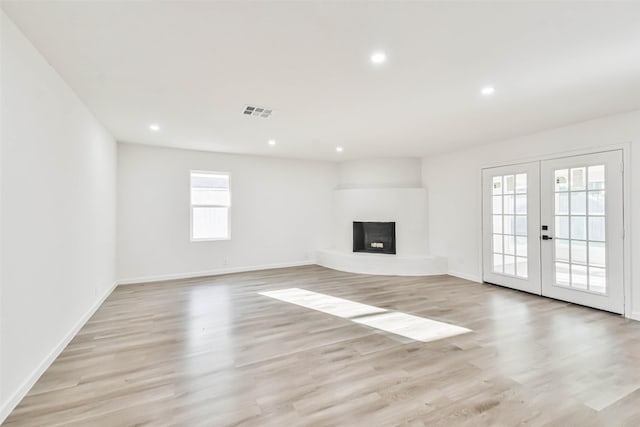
(192, 66)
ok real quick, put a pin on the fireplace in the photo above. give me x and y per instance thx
(375, 237)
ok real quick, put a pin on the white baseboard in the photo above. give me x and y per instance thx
(471, 277)
(634, 315)
(216, 272)
(26, 385)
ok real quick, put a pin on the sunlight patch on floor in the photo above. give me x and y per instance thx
(413, 327)
(335, 306)
(395, 322)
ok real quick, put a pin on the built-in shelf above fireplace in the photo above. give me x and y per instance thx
(374, 237)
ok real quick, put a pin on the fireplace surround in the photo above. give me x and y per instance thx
(389, 191)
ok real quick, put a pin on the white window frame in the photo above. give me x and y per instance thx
(191, 206)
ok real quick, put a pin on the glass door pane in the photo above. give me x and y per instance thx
(582, 250)
(579, 249)
(511, 217)
(509, 224)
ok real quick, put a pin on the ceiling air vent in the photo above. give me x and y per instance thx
(250, 110)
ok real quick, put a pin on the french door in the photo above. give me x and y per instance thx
(511, 223)
(561, 234)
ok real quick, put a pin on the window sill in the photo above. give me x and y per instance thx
(211, 240)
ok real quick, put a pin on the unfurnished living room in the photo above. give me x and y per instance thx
(319, 213)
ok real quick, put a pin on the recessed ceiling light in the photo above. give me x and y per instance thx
(272, 142)
(154, 127)
(488, 90)
(339, 149)
(378, 57)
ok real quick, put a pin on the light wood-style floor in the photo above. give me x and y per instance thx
(213, 352)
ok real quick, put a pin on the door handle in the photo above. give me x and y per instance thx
(545, 237)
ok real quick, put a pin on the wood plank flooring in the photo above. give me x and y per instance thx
(214, 352)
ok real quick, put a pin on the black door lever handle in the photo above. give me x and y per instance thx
(545, 237)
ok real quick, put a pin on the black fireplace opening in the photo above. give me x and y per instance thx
(375, 237)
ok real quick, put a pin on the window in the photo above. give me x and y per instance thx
(210, 203)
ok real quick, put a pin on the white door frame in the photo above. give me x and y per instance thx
(626, 210)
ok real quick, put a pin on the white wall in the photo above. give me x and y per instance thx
(454, 184)
(58, 200)
(380, 173)
(280, 214)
